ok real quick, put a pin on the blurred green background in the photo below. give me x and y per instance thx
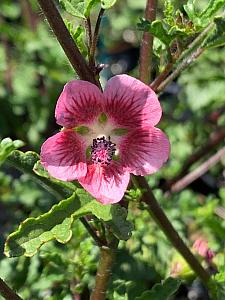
(33, 70)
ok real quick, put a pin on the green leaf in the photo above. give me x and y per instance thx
(89, 4)
(190, 10)
(55, 224)
(202, 19)
(79, 8)
(42, 172)
(217, 38)
(157, 29)
(74, 7)
(120, 227)
(7, 146)
(25, 163)
(162, 291)
(212, 7)
(106, 4)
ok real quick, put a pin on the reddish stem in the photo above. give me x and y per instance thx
(147, 44)
(66, 41)
(7, 292)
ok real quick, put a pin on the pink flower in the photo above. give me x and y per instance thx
(202, 248)
(106, 136)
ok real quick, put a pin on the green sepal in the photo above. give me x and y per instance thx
(116, 157)
(120, 131)
(88, 152)
(83, 130)
(102, 118)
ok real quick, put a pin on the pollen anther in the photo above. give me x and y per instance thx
(102, 150)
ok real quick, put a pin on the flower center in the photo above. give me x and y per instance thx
(102, 151)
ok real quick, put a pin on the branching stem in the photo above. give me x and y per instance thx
(194, 49)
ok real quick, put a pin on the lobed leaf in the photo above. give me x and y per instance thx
(55, 224)
(162, 291)
(7, 146)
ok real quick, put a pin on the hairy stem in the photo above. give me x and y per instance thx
(66, 41)
(95, 38)
(88, 33)
(107, 256)
(92, 232)
(154, 85)
(168, 229)
(7, 292)
(145, 64)
(194, 49)
(180, 67)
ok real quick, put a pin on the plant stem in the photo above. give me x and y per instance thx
(154, 85)
(92, 232)
(88, 34)
(95, 38)
(198, 172)
(214, 140)
(147, 44)
(180, 67)
(107, 256)
(185, 59)
(168, 229)
(66, 41)
(197, 41)
(7, 292)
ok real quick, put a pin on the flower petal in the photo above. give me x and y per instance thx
(144, 150)
(107, 184)
(79, 103)
(63, 155)
(130, 102)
